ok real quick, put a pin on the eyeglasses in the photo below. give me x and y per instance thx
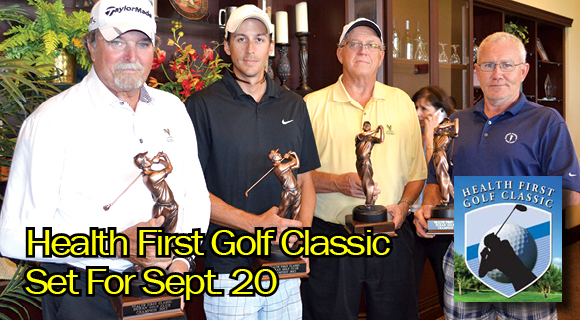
(356, 46)
(504, 66)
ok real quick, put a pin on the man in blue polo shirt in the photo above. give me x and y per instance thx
(504, 135)
(238, 121)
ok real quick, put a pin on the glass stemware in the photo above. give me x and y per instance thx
(420, 52)
(425, 51)
(454, 56)
(549, 88)
(442, 54)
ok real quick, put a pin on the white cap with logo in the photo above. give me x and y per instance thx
(361, 22)
(115, 17)
(246, 12)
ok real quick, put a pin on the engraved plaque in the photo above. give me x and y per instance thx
(440, 226)
(161, 307)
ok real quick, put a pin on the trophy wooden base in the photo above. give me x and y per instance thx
(150, 308)
(138, 305)
(441, 221)
(135, 285)
(353, 226)
(286, 267)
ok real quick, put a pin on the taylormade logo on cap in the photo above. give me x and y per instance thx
(112, 10)
(115, 17)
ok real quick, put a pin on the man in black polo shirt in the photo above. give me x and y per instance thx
(238, 121)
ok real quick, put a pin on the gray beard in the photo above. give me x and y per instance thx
(128, 82)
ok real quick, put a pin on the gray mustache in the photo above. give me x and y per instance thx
(128, 66)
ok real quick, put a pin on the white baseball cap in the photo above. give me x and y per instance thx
(361, 22)
(115, 17)
(245, 12)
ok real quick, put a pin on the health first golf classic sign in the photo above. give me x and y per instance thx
(508, 234)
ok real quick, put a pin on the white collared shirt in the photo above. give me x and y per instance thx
(75, 154)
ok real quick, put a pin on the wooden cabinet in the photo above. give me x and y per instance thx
(441, 24)
(456, 22)
(490, 16)
(445, 37)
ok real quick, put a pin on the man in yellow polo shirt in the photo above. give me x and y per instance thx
(333, 290)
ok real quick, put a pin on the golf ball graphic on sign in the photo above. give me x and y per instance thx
(521, 241)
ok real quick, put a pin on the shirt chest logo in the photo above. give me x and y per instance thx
(169, 137)
(389, 130)
(511, 138)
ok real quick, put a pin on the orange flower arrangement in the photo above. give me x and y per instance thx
(191, 71)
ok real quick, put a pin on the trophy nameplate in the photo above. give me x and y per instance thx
(441, 221)
(161, 307)
(286, 267)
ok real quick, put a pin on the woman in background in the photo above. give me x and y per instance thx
(433, 105)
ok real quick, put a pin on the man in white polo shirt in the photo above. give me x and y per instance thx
(75, 154)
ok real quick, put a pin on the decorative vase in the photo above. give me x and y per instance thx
(283, 65)
(65, 68)
(549, 88)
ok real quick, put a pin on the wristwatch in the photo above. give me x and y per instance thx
(407, 202)
(189, 260)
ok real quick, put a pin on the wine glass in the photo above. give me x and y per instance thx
(442, 54)
(454, 56)
(420, 52)
(425, 51)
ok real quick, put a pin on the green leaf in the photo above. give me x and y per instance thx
(14, 293)
(52, 29)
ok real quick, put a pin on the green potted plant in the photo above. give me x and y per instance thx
(21, 91)
(52, 33)
(520, 32)
(13, 297)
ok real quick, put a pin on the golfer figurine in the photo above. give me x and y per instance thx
(442, 215)
(291, 193)
(291, 197)
(290, 202)
(364, 143)
(165, 204)
(443, 136)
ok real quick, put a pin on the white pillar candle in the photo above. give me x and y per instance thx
(301, 17)
(281, 27)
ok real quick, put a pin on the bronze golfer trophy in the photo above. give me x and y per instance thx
(138, 305)
(368, 215)
(442, 217)
(286, 267)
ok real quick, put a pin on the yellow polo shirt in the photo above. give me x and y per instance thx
(337, 119)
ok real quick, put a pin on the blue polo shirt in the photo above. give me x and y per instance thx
(527, 139)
